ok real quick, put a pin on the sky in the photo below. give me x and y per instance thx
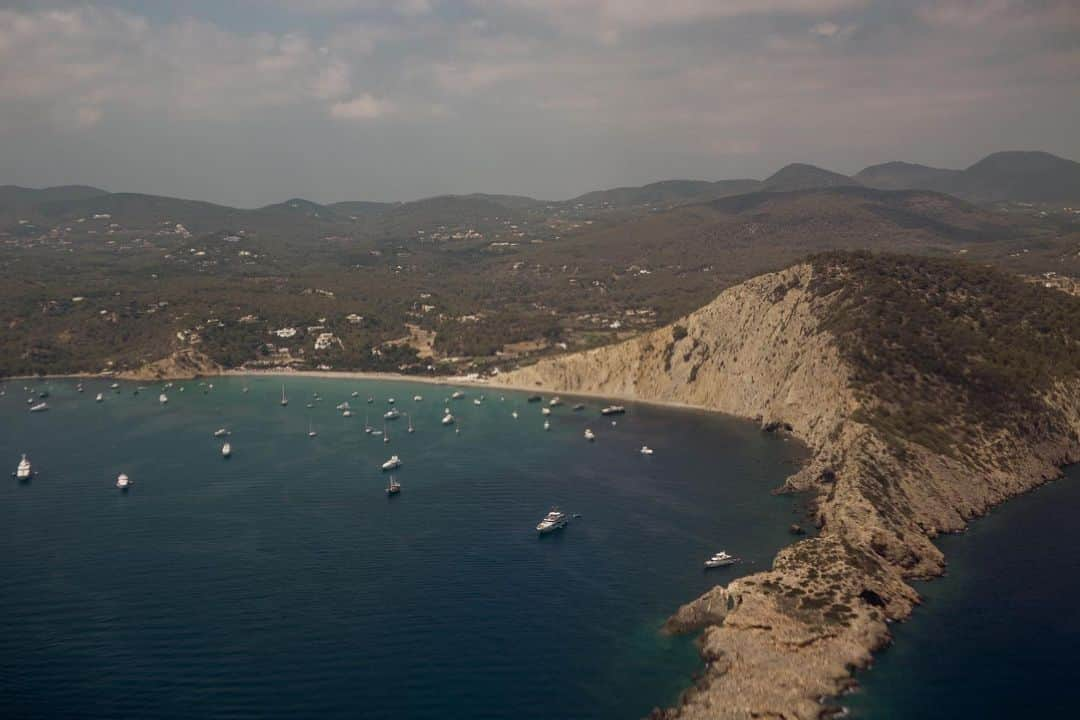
(250, 102)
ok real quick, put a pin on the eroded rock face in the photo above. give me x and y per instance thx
(777, 642)
(181, 365)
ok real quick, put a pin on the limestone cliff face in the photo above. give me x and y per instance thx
(776, 643)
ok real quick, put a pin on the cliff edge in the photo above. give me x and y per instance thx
(927, 390)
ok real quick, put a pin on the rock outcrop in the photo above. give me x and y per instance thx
(778, 643)
(181, 365)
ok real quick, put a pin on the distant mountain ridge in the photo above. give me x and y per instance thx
(1019, 176)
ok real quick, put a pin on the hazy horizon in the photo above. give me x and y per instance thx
(251, 102)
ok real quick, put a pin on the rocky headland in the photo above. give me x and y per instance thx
(927, 390)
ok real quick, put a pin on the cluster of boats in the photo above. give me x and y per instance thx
(553, 521)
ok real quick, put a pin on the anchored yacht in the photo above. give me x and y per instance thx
(720, 559)
(555, 401)
(24, 471)
(99, 397)
(393, 462)
(448, 419)
(40, 407)
(123, 482)
(554, 520)
(226, 450)
(613, 410)
(589, 435)
(457, 395)
(221, 432)
(391, 414)
(393, 487)
(163, 398)
(646, 450)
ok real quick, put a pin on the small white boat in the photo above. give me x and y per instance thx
(346, 413)
(311, 431)
(579, 407)
(393, 487)
(376, 433)
(589, 435)
(411, 428)
(123, 482)
(355, 393)
(547, 424)
(390, 401)
(555, 401)
(448, 419)
(284, 398)
(613, 410)
(40, 407)
(163, 398)
(79, 388)
(417, 398)
(391, 414)
(221, 432)
(393, 462)
(99, 397)
(646, 450)
(720, 559)
(342, 406)
(545, 411)
(477, 401)
(370, 400)
(554, 520)
(457, 395)
(310, 405)
(226, 450)
(115, 386)
(514, 414)
(243, 390)
(367, 425)
(24, 471)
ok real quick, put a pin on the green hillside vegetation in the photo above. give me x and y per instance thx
(946, 348)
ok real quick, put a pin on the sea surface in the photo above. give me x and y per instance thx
(284, 583)
(999, 635)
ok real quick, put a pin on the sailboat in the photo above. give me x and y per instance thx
(284, 399)
(411, 428)
(367, 424)
(393, 487)
(386, 433)
(311, 430)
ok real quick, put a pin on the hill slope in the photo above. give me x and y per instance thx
(799, 176)
(928, 390)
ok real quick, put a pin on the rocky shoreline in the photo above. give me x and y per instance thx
(780, 643)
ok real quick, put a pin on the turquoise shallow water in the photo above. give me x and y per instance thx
(997, 637)
(284, 583)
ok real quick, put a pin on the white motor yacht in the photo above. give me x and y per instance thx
(448, 419)
(555, 401)
(613, 410)
(393, 462)
(545, 411)
(547, 424)
(457, 395)
(163, 398)
(646, 450)
(99, 397)
(417, 398)
(589, 435)
(391, 414)
(720, 559)
(40, 407)
(221, 432)
(24, 471)
(554, 520)
(123, 482)
(514, 414)
(226, 450)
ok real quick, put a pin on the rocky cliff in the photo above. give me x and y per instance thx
(181, 365)
(928, 391)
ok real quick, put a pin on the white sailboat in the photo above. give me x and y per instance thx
(311, 431)
(385, 433)
(284, 398)
(411, 428)
(367, 424)
(393, 487)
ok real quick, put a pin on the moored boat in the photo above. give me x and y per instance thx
(589, 435)
(554, 520)
(123, 482)
(226, 450)
(393, 462)
(613, 410)
(720, 559)
(24, 470)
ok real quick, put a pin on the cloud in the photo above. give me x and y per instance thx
(364, 107)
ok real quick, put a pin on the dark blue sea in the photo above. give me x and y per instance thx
(284, 583)
(999, 635)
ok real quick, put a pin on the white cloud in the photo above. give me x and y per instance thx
(363, 107)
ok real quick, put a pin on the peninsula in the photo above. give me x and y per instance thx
(927, 390)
